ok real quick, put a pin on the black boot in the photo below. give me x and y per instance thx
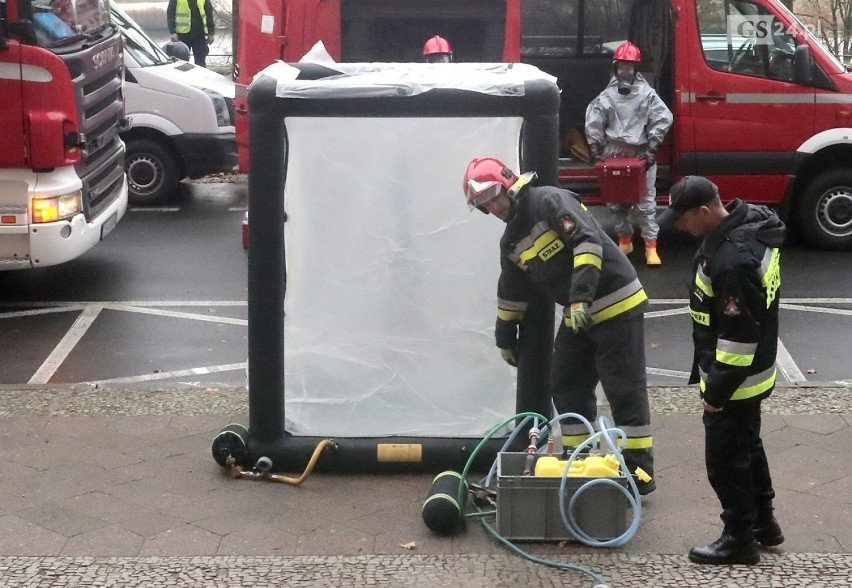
(727, 550)
(646, 488)
(768, 533)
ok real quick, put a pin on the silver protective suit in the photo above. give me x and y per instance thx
(630, 125)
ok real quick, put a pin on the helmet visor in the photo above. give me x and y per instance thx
(438, 58)
(479, 193)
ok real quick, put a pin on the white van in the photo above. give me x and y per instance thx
(182, 117)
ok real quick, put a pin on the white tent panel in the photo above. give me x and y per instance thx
(391, 281)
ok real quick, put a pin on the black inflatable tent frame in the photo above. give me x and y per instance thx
(539, 109)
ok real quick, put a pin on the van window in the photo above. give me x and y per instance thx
(743, 37)
(553, 28)
(139, 45)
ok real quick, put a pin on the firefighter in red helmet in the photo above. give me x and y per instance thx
(629, 119)
(552, 244)
(437, 50)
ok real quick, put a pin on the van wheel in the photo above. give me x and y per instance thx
(825, 210)
(151, 171)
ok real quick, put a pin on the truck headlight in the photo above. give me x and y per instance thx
(223, 117)
(54, 208)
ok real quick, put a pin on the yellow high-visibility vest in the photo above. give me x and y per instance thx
(183, 17)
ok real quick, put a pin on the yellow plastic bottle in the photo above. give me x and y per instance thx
(549, 465)
(594, 466)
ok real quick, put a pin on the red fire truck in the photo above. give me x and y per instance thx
(760, 106)
(62, 183)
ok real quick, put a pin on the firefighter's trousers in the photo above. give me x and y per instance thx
(737, 467)
(612, 353)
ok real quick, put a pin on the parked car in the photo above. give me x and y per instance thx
(182, 117)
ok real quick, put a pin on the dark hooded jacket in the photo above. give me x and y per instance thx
(552, 242)
(734, 305)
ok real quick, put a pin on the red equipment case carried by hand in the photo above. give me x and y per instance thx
(622, 179)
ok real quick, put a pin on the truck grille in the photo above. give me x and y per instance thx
(100, 108)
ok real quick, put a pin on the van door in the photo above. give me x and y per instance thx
(747, 113)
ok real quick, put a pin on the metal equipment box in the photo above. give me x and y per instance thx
(528, 506)
(622, 179)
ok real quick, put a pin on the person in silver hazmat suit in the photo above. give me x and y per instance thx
(629, 119)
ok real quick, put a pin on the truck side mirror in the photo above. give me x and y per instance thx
(803, 72)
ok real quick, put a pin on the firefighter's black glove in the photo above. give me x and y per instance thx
(506, 334)
(510, 356)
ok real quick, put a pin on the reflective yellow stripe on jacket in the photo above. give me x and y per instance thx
(702, 318)
(770, 273)
(544, 246)
(588, 254)
(752, 386)
(612, 305)
(511, 311)
(702, 280)
(736, 354)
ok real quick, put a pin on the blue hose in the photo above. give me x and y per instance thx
(608, 434)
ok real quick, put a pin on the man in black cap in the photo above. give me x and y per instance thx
(734, 306)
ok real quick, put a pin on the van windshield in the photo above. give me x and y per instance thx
(815, 44)
(139, 45)
(61, 22)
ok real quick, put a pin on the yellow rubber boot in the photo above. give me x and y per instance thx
(651, 257)
(625, 244)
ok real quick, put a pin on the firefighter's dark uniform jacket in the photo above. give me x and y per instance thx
(551, 241)
(734, 306)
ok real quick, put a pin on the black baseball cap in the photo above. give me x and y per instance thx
(687, 193)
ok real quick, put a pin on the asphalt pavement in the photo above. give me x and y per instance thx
(117, 487)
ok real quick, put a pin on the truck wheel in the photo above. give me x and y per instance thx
(825, 210)
(151, 171)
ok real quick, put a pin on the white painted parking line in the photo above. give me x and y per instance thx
(152, 303)
(669, 312)
(38, 311)
(818, 300)
(669, 373)
(174, 314)
(819, 309)
(66, 345)
(155, 209)
(787, 365)
(175, 374)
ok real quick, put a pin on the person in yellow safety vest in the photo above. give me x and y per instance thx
(552, 243)
(191, 22)
(734, 306)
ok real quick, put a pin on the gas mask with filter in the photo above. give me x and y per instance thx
(625, 77)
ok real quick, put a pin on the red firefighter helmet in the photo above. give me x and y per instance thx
(437, 50)
(484, 179)
(627, 51)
